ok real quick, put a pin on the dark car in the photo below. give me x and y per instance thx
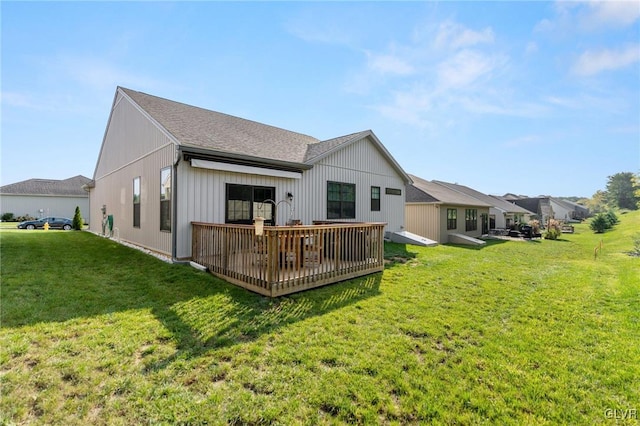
(54, 222)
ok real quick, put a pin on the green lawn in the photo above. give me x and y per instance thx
(540, 332)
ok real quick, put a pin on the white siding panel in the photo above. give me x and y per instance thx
(115, 190)
(361, 163)
(201, 192)
(133, 146)
(130, 136)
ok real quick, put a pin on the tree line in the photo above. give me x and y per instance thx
(622, 192)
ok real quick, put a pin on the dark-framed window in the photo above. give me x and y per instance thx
(471, 219)
(452, 218)
(245, 202)
(136, 202)
(165, 199)
(341, 200)
(375, 198)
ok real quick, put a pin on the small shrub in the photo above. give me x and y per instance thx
(77, 220)
(636, 245)
(7, 217)
(552, 234)
(612, 219)
(599, 223)
(535, 226)
(554, 230)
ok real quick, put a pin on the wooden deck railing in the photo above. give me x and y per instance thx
(287, 259)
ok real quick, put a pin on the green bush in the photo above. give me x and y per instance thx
(599, 223)
(554, 230)
(611, 217)
(636, 245)
(7, 217)
(77, 220)
(552, 234)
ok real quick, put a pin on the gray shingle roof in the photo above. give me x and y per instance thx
(198, 127)
(67, 187)
(440, 193)
(492, 201)
(225, 134)
(518, 209)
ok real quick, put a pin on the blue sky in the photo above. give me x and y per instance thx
(530, 98)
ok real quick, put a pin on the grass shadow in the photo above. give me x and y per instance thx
(232, 315)
(489, 243)
(57, 277)
(396, 254)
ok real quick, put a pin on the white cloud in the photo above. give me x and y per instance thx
(590, 16)
(611, 13)
(407, 107)
(456, 36)
(19, 100)
(390, 64)
(464, 68)
(425, 83)
(594, 62)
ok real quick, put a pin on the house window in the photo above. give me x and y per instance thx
(245, 202)
(375, 198)
(165, 199)
(471, 219)
(341, 200)
(136, 202)
(452, 218)
(393, 191)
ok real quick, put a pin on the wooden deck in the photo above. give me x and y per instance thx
(288, 259)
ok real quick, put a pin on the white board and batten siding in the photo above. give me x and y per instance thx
(133, 147)
(361, 164)
(201, 198)
(201, 192)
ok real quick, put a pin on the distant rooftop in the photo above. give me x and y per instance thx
(67, 187)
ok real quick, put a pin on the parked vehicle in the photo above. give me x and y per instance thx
(54, 223)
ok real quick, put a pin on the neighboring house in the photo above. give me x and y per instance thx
(566, 210)
(46, 197)
(437, 212)
(540, 207)
(165, 164)
(546, 207)
(502, 214)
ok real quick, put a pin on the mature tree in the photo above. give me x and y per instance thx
(636, 185)
(621, 191)
(597, 203)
